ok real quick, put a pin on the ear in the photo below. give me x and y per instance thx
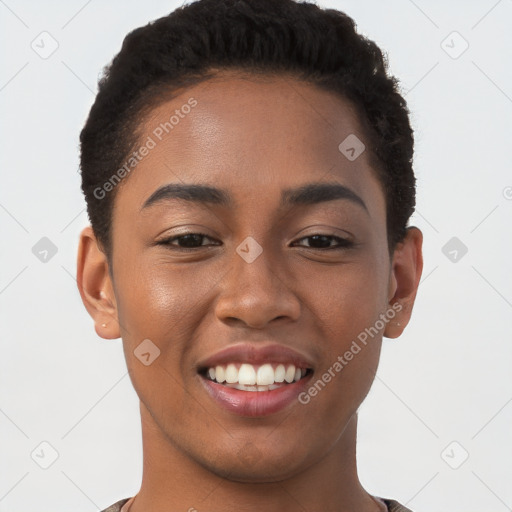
(95, 285)
(406, 269)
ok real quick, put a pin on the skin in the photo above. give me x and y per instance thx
(252, 137)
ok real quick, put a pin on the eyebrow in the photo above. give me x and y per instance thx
(308, 194)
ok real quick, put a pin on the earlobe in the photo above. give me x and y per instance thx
(95, 285)
(407, 266)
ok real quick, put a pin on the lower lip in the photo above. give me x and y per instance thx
(254, 403)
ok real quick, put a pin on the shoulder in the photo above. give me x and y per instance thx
(116, 507)
(394, 506)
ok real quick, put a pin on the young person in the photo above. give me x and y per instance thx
(247, 167)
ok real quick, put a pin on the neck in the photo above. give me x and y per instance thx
(173, 481)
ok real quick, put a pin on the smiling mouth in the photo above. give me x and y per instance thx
(250, 377)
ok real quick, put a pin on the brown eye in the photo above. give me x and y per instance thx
(325, 242)
(186, 241)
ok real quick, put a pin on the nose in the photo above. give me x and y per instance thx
(256, 293)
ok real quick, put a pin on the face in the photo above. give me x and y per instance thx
(277, 257)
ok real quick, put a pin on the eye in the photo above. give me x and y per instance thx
(325, 242)
(191, 241)
(187, 241)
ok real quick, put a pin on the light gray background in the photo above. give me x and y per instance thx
(446, 379)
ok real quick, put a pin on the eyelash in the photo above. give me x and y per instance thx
(343, 243)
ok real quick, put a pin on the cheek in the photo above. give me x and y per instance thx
(158, 311)
(347, 299)
(155, 298)
(167, 306)
(346, 305)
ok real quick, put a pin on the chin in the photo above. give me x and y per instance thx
(265, 473)
(251, 465)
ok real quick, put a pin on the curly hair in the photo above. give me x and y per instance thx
(319, 46)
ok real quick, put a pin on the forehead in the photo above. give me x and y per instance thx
(253, 135)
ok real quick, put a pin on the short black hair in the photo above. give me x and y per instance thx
(287, 37)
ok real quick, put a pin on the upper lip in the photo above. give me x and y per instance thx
(256, 354)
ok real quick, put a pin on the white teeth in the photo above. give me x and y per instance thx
(255, 378)
(265, 375)
(253, 388)
(280, 373)
(220, 374)
(247, 375)
(231, 374)
(290, 374)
